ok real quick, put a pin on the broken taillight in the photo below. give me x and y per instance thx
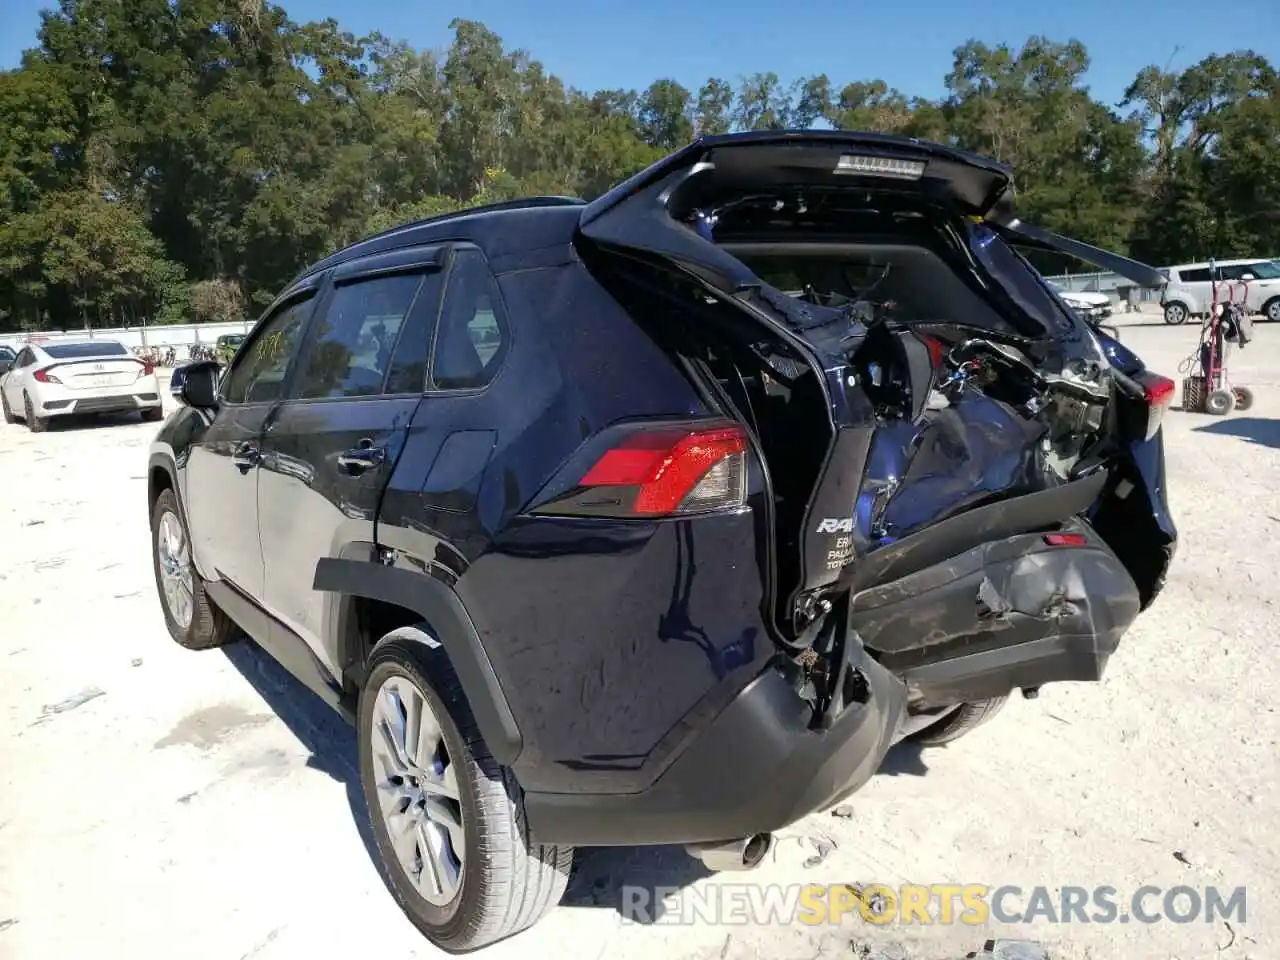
(673, 471)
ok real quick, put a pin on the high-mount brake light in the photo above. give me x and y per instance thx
(44, 376)
(895, 168)
(677, 470)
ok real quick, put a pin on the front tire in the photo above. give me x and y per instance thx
(1175, 314)
(957, 723)
(447, 819)
(191, 618)
(1243, 396)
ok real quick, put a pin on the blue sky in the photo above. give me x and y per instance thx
(593, 44)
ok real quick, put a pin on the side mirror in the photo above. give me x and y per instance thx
(198, 387)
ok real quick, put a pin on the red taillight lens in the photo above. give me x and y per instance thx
(44, 376)
(1158, 391)
(1065, 539)
(677, 470)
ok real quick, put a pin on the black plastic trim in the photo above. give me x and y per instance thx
(756, 768)
(284, 646)
(452, 627)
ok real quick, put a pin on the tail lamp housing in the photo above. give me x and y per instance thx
(44, 376)
(664, 470)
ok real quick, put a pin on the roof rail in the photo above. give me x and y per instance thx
(520, 203)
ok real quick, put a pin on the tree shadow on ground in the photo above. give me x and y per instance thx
(1258, 430)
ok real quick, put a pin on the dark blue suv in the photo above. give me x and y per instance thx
(660, 518)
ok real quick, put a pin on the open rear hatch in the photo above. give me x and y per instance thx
(840, 280)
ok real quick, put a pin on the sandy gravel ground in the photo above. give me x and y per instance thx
(155, 802)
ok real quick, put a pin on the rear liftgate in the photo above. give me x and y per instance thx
(960, 610)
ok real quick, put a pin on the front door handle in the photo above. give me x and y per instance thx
(246, 457)
(364, 456)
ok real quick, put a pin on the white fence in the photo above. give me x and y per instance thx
(180, 336)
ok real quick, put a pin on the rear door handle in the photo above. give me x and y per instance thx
(364, 456)
(246, 457)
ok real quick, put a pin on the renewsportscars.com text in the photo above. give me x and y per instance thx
(928, 904)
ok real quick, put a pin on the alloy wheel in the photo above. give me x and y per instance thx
(1273, 311)
(176, 579)
(418, 790)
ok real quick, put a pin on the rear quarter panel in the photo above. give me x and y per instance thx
(604, 634)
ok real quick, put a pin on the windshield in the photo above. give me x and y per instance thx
(74, 351)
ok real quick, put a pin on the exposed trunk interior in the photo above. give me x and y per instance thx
(927, 319)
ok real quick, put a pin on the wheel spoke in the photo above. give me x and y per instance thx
(402, 828)
(393, 725)
(414, 708)
(447, 815)
(428, 742)
(443, 785)
(432, 875)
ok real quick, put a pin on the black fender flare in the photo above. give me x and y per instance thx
(450, 625)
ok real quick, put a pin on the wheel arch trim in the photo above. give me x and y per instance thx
(450, 625)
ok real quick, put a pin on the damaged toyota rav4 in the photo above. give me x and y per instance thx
(659, 519)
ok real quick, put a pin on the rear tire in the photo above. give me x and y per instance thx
(505, 880)
(956, 724)
(1244, 397)
(1175, 314)
(1220, 403)
(34, 424)
(152, 414)
(207, 626)
(1271, 309)
(9, 416)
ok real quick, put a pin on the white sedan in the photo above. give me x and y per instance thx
(91, 376)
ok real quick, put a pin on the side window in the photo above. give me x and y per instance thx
(26, 358)
(258, 374)
(409, 360)
(473, 335)
(1194, 276)
(349, 352)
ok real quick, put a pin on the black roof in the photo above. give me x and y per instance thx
(497, 228)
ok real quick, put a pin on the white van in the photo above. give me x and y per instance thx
(1190, 289)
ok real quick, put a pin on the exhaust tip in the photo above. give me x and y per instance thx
(745, 853)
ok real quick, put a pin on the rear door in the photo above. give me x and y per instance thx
(329, 448)
(221, 471)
